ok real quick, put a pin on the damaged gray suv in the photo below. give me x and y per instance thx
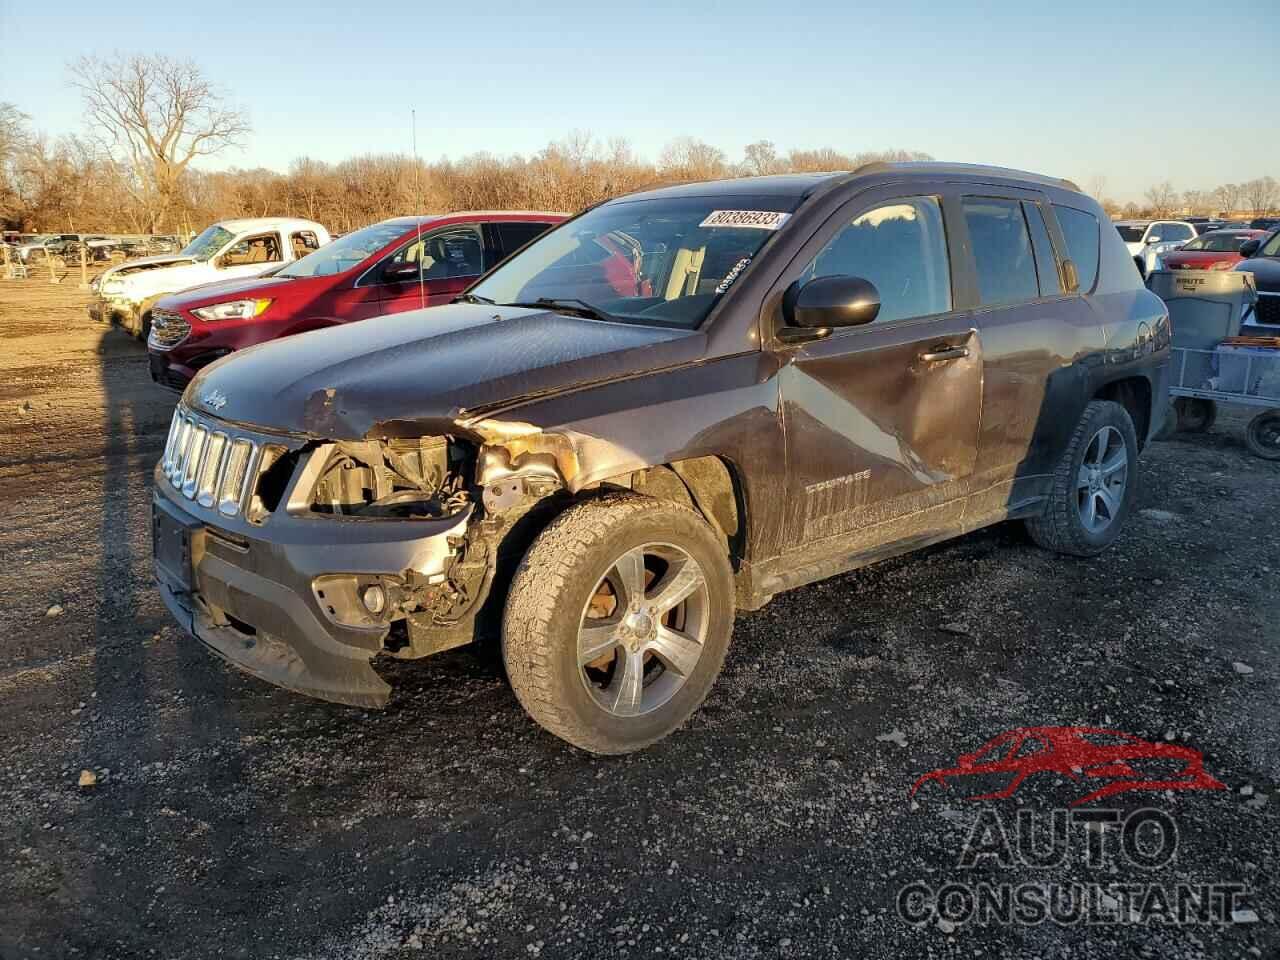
(674, 406)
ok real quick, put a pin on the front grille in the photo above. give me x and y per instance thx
(167, 329)
(215, 467)
(1268, 308)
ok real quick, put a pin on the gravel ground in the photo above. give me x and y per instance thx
(232, 819)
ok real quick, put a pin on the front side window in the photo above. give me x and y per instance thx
(664, 261)
(264, 248)
(1002, 251)
(1271, 248)
(900, 247)
(444, 254)
(1080, 230)
(210, 241)
(345, 252)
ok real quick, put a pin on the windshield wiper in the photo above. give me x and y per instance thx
(471, 298)
(569, 305)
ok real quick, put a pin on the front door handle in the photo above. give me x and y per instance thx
(945, 353)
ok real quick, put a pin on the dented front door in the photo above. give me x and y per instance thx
(882, 420)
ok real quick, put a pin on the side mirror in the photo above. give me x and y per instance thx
(838, 301)
(400, 272)
(1250, 247)
(1153, 238)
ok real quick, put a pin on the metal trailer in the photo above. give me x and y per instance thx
(1230, 373)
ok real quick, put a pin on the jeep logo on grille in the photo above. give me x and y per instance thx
(214, 399)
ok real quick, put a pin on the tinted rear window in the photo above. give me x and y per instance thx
(1001, 250)
(1080, 230)
(516, 235)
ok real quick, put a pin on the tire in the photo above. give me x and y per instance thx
(1064, 527)
(1195, 415)
(571, 567)
(1262, 436)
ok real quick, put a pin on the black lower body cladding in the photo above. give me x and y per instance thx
(261, 603)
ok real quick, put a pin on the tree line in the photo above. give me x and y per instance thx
(148, 119)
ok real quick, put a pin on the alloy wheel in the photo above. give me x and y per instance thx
(643, 629)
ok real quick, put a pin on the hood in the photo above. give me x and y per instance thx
(220, 290)
(1265, 270)
(146, 263)
(1197, 257)
(418, 372)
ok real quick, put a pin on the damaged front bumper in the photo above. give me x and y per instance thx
(286, 609)
(111, 309)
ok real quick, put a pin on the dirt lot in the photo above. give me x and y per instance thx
(232, 819)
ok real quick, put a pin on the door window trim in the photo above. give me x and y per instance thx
(478, 227)
(842, 216)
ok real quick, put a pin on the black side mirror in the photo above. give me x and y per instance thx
(1250, 247)
(400, 272)
(837, 301)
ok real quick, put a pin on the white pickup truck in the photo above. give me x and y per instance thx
(228, 250)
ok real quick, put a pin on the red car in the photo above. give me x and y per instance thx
(1216, 250)
(1106, 762)
(401, 264)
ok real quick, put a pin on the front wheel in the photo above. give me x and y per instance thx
(1263, 435)
(1094, 485)
(618, 622)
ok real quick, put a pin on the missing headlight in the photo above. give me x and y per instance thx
(415, 478)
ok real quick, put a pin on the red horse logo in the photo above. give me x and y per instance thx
(1081, 754)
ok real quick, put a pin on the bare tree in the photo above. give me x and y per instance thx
(761, 158)
(1163, 199)
(14, 137)
(160, 114)
(688, 159)
(1261, 195)
(1097, 187)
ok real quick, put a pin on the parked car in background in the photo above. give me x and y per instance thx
(1262, 259)
(399, 264)
(231, 249)
(1146, 240)
(35, 249)
(1264, 223)
(681, 402)
(1218, 250)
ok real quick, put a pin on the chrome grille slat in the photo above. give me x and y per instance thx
(213, 467)
(167, 329)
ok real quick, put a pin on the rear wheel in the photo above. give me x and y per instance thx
(1263, 435)
(1094, 484)
(618, 622)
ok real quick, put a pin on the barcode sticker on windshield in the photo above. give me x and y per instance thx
(753, 219)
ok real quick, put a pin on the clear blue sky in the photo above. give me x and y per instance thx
(1136, 92)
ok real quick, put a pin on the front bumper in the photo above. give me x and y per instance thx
(112, 309)
(248, 593)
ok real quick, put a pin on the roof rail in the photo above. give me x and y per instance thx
(973, 169)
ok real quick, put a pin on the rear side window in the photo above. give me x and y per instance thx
(1002, 251)
(513, 236)
(1046, 264)
(1080, 230)
(901, 248)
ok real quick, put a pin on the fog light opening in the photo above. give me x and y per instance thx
(374, 599)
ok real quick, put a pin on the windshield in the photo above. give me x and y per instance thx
(1217, 243)
(210, 241)
(1130, 234)
(346, 252)
(663, 262)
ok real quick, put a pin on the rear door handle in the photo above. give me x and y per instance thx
(946, 353)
